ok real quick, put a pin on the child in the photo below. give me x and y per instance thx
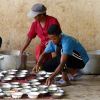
(71, 55)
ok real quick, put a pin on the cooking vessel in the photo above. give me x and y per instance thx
(93, 65)
(11, 59)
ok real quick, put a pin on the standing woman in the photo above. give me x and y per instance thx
(39, 28)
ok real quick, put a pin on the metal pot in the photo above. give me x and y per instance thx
(11, 59)
(93, 65)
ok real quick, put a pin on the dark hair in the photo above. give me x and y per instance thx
(44, 14)
(54, 30)
(0, 41)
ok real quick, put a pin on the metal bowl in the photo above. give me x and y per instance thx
(0, 90)
(15, 83)
(2, 94)
(25, 84)
(43, 87)
(48, 73)
(43, 92)
(17, 95)
(58, 77)
(34, 89)
(47, 76)
(36, 84)
(1, 76)
(57, 95)
(11, 72)
(25, 91)
(6, 86)
(40, 78)
(20, 76)
(7, 79)
(33, 95)
(52, 86)
(27, 87)
(8, 93)
(41, 73)
(33, 80)
(52, 89)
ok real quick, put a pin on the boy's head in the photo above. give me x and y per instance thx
(54, 33)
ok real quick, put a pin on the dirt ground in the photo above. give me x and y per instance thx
(87, 88)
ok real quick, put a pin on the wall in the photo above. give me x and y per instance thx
(79, 18)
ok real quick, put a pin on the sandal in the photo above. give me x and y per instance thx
(62, 83)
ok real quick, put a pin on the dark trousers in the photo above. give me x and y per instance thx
(72, 62)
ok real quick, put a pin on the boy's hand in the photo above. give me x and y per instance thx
(49, 81)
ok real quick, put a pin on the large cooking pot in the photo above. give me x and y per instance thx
(10, 59)
(93, 65)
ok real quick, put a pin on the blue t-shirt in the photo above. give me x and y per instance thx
(68, 44)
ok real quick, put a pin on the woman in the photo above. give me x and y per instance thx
(39, 28)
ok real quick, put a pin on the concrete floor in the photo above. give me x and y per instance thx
(87, 88)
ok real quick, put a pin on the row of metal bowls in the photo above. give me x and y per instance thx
(11, 74)
(32, 88)
(31, 91)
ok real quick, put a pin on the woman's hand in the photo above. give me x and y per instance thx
(36, 68)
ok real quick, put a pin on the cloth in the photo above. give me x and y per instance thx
(69, 44)
(37, 30)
